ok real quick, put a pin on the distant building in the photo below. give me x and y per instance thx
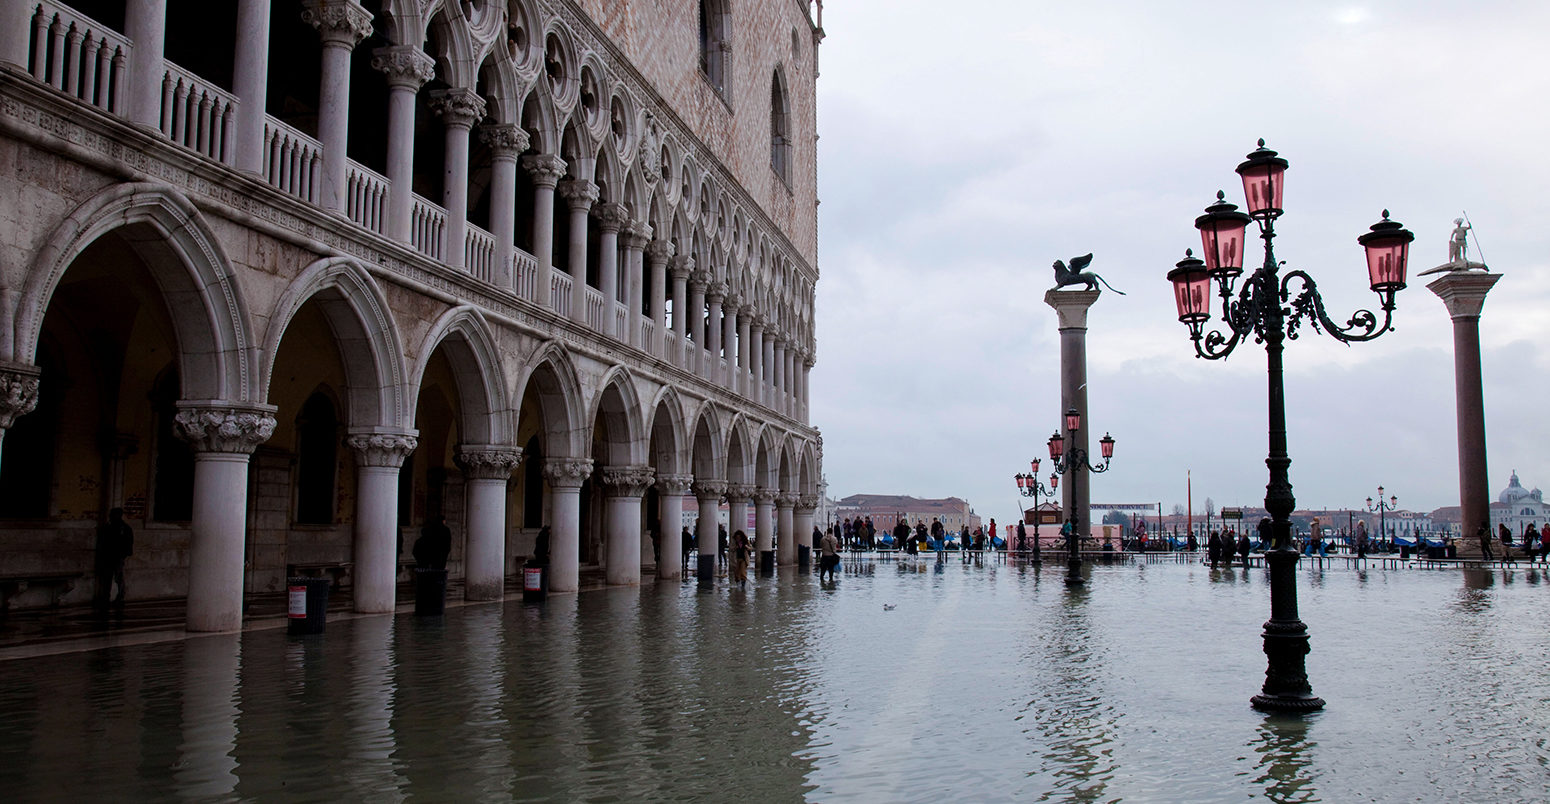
(954, 512)
(1517, 508)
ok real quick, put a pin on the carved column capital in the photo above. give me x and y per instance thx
(405, 66)
(216, 427)
(339, 22)
(674, 485)
(457, 107)
(660, 250)
(381, 449)
(18, 391)
(611, 216)
(710, 489)
(505, 140)
(636, 235)
(579, 193)
(745, 315)
(786, 499)
(681, 266)
(731, 302)
(567, 473)
(486, 462)
(698, 281)
(765, 496)
(546, 169)
(626, 481)
(806, 503)
(739, 492)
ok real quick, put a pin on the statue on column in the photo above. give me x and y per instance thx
(1077, 275)
(1458, 251)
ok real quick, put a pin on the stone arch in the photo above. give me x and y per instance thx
(618, 404)
(504, 89)
(609, 175)
(788, 466)
(706, 456)
(368, 339)
(807, 474)
(540, 121)
(739, 451)
(767, 462)
(551, 375)
(216, 360)
(455, 61)
(578, 150)
(668, 431)
(476, 366)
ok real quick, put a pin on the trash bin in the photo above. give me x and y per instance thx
(766, 563)
(307, 605)
(535, 582)
(430, 591)
(803, 553)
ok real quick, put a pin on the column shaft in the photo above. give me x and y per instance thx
(622, 530)
(219, 527)
(484, 548)
(376, 538)
(785, 537)
(503, 215)
(670, 509)
(705, 532)
(250, 82)
(145, 23)
(400, 162)
(565, 539)
(764, 530)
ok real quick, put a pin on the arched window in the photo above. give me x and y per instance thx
(780, 128)
(715, 42)
(317, 447)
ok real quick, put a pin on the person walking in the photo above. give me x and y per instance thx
(115, 542)
(829, 557)
(434, 545)
(1361, 539)
(1214, 548)
(686, 543)
(1505, 534)
(1243, 541)
(1022, 537)
(740, 553)
(1530, 542)
(1483, 533)
(938, 537)
(1544, 544)
(721, 544)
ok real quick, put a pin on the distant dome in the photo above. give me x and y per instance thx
(1515, 491)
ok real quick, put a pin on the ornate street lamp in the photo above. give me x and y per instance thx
(1075, 461)
(1383, 508)
(1266, 309)
(1029, 486)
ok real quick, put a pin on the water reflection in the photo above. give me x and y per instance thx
(1072, 715)
(206, 766)
(1283, 752)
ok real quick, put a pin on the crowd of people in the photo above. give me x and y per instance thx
(860, 534)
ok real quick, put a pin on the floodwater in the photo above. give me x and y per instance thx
(905, 681)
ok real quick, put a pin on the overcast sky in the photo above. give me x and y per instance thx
(966, 145)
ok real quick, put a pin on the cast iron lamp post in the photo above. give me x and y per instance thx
(1030, 486)
(1266, 309)
(1383, 508)
(1075, 461)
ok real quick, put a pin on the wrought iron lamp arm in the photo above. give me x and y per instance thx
(1309, 305)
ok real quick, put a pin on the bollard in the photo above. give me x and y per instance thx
(307, 605)
(430, 591)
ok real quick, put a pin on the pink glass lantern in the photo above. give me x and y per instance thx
(1073, 419)
(1035, 463)
(1191, 289)
(1106, 444)
(1054, 481)
(1221, 237)
(1263, 182)
(1057, 446)
(1388, 251)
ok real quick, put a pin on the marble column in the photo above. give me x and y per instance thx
(744, 355)
(785, 535)
(658, 252)
(611, 218)
(545, 170)
(625, 485)
(756, 358)
(729, 340)
(378, 459)
(18, 393)
(459, 109)
(779, 400)
(670, 511)
(579, 195)
(223, 437)
(802, 518)
(738, 495)
(565, 476)
(708, 493)
(695, 318)
(17, 39)
(1071, 314)
(808, 362)
(145, 23)
(767, 370)
(682, 266)
(342, 26)
(250, 83)
(715, 293)
(407, 69)
(635, 237)
(764, 528)
(506, 142)
(486, 468)
(1463, 292)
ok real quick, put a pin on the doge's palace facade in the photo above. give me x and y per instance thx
(288, 280)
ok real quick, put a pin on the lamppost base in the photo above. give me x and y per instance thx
(1074, 574)
(1290, 704)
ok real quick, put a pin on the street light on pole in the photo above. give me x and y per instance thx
(1266, 310)
(1075, 461)
(1030, 486)
(1382, 508)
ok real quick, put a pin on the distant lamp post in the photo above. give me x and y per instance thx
(1075, 461)
(1383, 507)
(1266, 310)
(1029, 486)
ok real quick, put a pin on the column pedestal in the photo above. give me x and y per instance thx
(1463, 292)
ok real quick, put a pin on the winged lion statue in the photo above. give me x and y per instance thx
(1077, 275)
